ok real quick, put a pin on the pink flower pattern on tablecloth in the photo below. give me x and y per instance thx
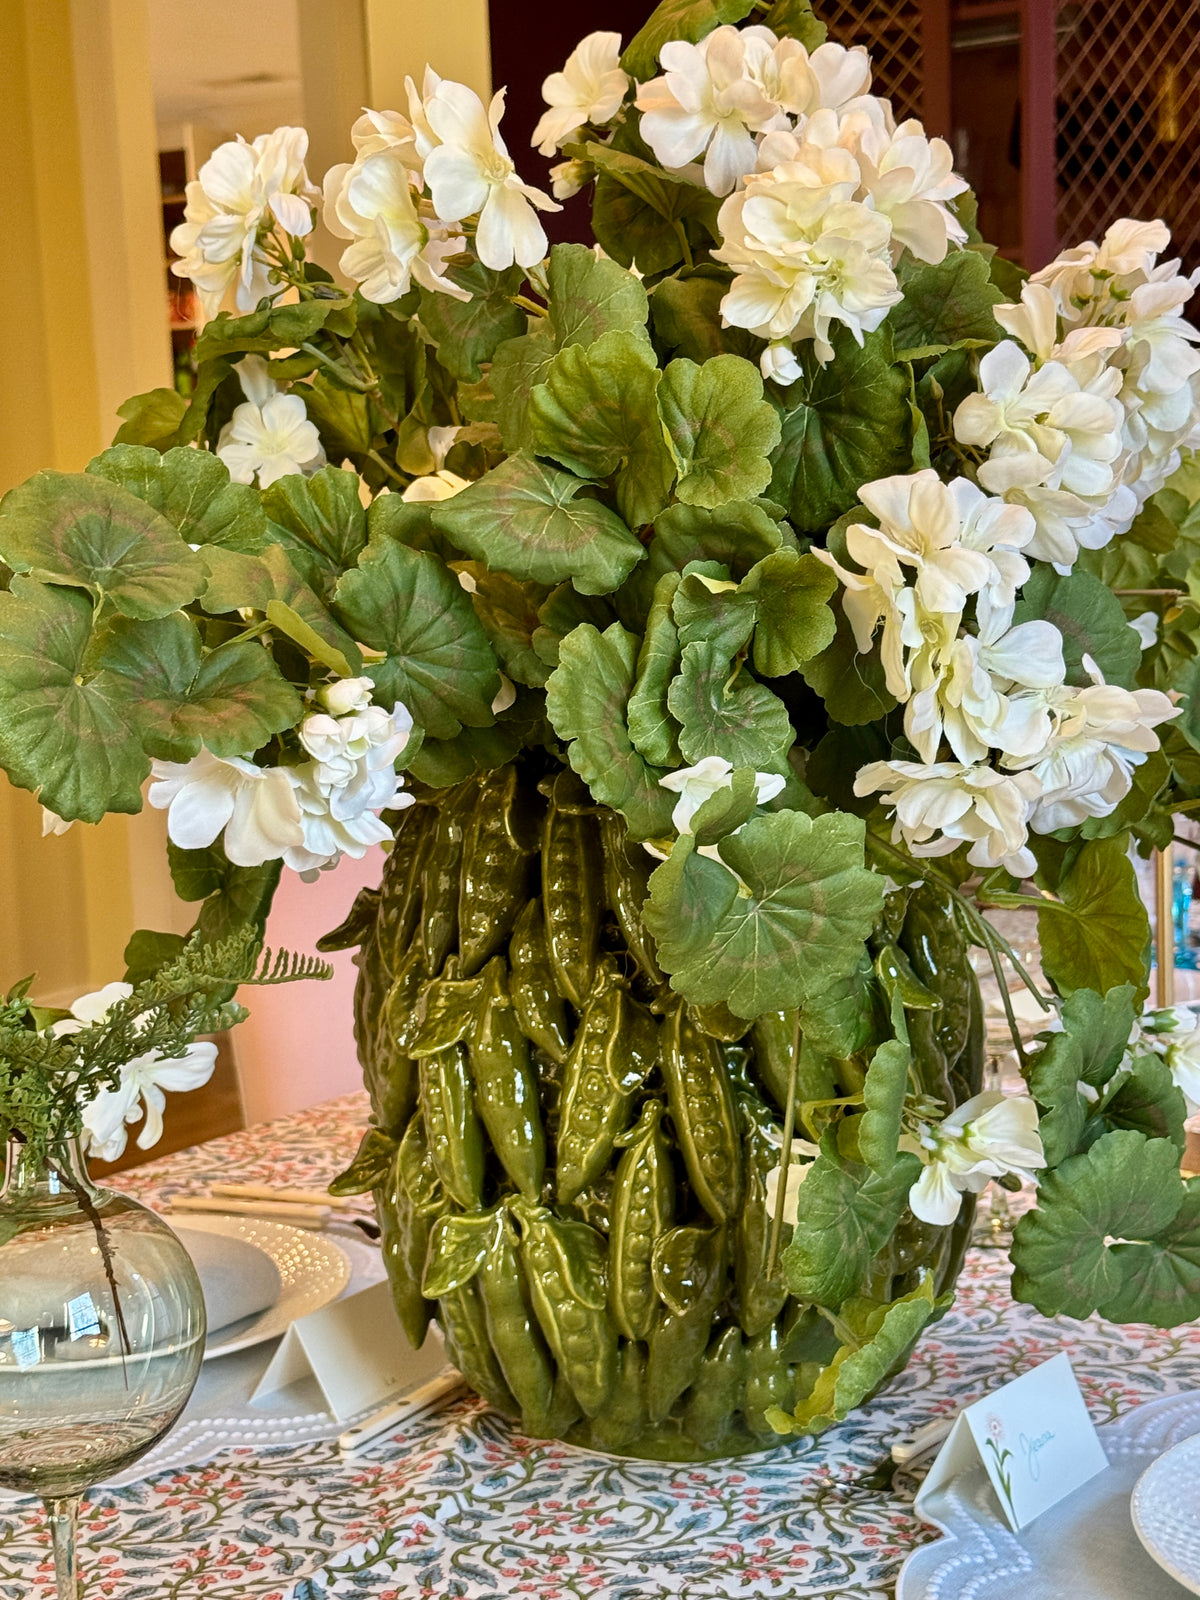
(455, 1506)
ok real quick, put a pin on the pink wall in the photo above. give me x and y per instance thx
(297, 1047)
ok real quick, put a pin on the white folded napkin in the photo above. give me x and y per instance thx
(239, 1280)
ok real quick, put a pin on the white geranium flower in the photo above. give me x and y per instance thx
(909, 179)
(589, 88)
(350, 779)
(1146, 627)
(806, 254)
(269, 436)
(707, 104)
(385, 130)
(346, 695)
(255, 806)
(52, 823)
(91, 1008)
(803, 1154)
(991, 1135)
(1128, 250)
(372, 203)
(1174, 1034)
(243, 190)
(469, 172)
(141, 1089)
(941, 805)
(695, 785)
(1101, 733)
(829, 78)
(567, 178)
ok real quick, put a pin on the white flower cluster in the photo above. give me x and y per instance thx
(401, 203)
(825, 190)
(308, 815)
(142, 1083)
(243, 192)
(1089, 424)
(270, 435)
(1031, 752)
(589, 89)
(992, 1135)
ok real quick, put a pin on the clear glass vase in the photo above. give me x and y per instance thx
(101, 1335)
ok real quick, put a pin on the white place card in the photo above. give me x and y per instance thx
(1034, 1439)
(357, 1352)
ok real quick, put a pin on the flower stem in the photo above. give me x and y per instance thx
(374, 456)
(526, 304)
(681, 235)
(785, 1153)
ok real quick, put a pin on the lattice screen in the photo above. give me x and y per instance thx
(891, 31)
(1128, 115)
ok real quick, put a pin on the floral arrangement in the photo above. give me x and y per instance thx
(841, 559)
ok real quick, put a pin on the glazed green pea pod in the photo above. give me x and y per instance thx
(940, 959)
(702, 1109)
(769, 1381)
(616, 1045)
(358, 925)
(369, 991)
(567, 1270)
(402, 885)
(516, 1338)
(445, 1012)
(690, 1275)
(572, 891)
(464, 1325)
(539, 1006)
(624, 1417)
(506, 1089)
(627, 869)
(417, 1170)
(759, 1299)
(440, 875)
(393, 1083)
(718, 1022)
(495, 872)
(772, 1039)
(716, 1395)
(404, 1241)
(371, 1165)
(643, 1206)
(451, 1125)
(966, 1072)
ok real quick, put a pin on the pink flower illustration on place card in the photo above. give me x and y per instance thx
(1001, 1455)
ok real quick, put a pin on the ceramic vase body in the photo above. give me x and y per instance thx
(576, 1181)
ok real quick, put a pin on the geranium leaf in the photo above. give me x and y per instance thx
(1091, 620)
(721, 429)
(883, 1092)
(787, 934)
(508, 611)
(722, 617)
(232, 896)
(736, 534)
(595, 414)
(64, 730)
(1126, 1188)
(192, 490)
(1147, 1101)
(517, 367)
(1097, 933)
(268, 582)
(851, 685)
(1088, 1050)
(586, 696)
(467, 332)
(944, 304)
(795, 621)
(563, 610)
(274, 327)
(843, 425)
(231, 700)
(677, 19)
(438, 659)
(442, 762)
(652, 728)
(320, 521)
(845, 1218)
(80, 529)
(686, 312)
(884, 1337)
(637, 207)
(152, 418)
(531, 519)
(726, 810)
(794, 19)
(590, 296)
(723, 711)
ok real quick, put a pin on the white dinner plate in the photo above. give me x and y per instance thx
(1166, 1512)
(313, 1271)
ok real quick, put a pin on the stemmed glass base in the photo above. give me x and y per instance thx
(63, 1516)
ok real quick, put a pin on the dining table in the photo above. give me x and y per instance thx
(455, 1504)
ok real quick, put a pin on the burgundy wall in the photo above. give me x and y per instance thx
(530, 40)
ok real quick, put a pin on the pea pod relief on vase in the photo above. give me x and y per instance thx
(708, 624)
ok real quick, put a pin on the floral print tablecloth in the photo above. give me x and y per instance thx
(454, 1506)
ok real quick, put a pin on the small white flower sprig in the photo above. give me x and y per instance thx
(308, 815)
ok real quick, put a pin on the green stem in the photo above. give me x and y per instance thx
(785, 1153)
(344, 375)
(526, 304)
(391, 471)
(681, 235)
